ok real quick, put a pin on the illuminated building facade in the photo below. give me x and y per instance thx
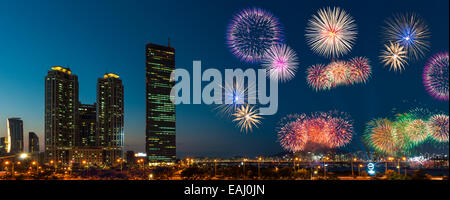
(33, 143)
(160, 111)
(14, 141)
(110, 117)
(87, 125)
(61, 108)
(92, 156)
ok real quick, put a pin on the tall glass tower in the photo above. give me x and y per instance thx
(110, 117)
(15, 135)
(61, 113)
(33, 143)
(160, 111)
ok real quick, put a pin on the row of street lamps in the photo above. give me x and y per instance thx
(22, 157)
(324, 160)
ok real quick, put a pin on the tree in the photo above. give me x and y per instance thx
(285, 172)
(303, 174)
(194, 173)
(419, 175)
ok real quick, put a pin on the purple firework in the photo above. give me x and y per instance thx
(435, 76)
(281, 63)
(251, 33)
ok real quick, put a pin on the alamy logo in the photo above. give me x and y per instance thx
(238, 87)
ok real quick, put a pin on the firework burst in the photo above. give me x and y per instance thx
(417, 131)
(331, 33)
(325, 130)
(439, 127)
(247, 117)
(435, 76)
(382, 136)
(341, 131)
(394, 56)
(406, 132)
(360, 70)
(338, 73)
(281, 63)
(317, 78)
(409, 31)
(252, 32)
(291, 134)
(234, 95)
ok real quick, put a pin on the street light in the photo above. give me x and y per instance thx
(325, 166)
(354, 160)
(35, 163)
(121, 162)
(293, 162)
(54, 165)
(259, 170)
(359, 169)
(389, 159)
(12, 167)
(404, 160)
(243, 164)
(84, 162)
(215, 167)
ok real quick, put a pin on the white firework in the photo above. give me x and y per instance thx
(331, 33)
(247, 117)
(281, 63)
(394, 56)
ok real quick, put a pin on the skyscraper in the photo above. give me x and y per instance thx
(61, 108)
(87, 125)
(15, 135)
(110, 117)
(33, 143)
(160, 111)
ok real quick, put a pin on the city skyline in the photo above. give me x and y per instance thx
(122, 52)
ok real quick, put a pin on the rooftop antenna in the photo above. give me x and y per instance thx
(168, 42)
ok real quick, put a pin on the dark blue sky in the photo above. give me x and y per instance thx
(94, 37)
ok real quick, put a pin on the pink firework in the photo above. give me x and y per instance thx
(342, 131)
(338, 73)
(435, 76)
(323, 130)
(439, 127)
(318, 128)
(317, 78)
(291, 134)
(295, 138)
(360, 70)
(281, 63)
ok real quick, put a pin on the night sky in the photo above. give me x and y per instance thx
(94, 37)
